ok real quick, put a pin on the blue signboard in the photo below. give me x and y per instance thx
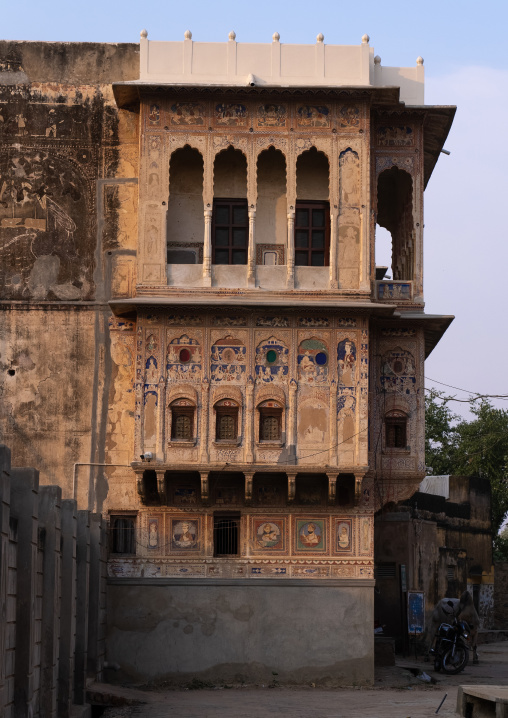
(416, 612)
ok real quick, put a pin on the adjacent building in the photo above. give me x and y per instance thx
(199, 344)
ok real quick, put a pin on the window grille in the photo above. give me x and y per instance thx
(270, 421)
(384, 570)
(270, 429)
(450, 573)
(225, 535)
(182, 427)
(182, 420)
(226, 429)
(123, 536)
(226, 420)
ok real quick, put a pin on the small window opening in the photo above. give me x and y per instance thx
(396, 430)
(123, 536)
(225, 535)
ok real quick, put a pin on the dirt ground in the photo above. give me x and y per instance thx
(396, 693)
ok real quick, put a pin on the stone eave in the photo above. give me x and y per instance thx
(244, 299)
(434, 325)
(130, 93)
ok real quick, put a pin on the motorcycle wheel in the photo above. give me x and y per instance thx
(455, 663)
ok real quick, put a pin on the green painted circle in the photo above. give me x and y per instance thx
(271, 356)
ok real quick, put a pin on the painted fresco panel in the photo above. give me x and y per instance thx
(310, 535)
(342, 536)
(269, 534)
(185, 535)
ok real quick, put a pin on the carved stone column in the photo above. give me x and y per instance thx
(290, 259)
(207, 248)
(161, 487)
(332, 458)
(332, 487)
(291, 426)
(334, 243)
(251, 269)
(205, 403)
(358, 488)
(291, 487)
(248, 486)
(204, 485)
(249, 421)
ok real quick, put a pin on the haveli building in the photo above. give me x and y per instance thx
(198, 341)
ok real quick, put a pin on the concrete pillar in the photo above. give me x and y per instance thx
(82, 588)
(5, 499)
(24, 507)
(68, 608)
(95, 653)
(50, 505)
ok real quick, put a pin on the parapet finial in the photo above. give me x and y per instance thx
(143, 34)
(377, 60)
(365, 39)
(232, 35)
(320, 37)
(419, 60)
(188, 35)
(276, 37)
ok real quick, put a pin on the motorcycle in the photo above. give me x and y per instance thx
(451, 650)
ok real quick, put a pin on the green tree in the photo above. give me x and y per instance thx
(441, 437)
(482, 450)
(476, 447)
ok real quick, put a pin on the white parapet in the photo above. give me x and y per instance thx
(274, 64)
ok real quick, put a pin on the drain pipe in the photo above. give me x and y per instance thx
(87, 463)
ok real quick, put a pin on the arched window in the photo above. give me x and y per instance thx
(396, 430)
(182, 420)
(270, 421)
(226, 420)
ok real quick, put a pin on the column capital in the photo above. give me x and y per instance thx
(204, 485)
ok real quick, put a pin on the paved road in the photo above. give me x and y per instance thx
(396, 694)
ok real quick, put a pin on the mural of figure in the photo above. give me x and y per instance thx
(153, 533)
(151, 240)
(268, 535)
(154, 115)
(151, 371)
(346, 359)
(312, 361)
(349, 177)
(343, 537)
(310, 535)
(185, 534)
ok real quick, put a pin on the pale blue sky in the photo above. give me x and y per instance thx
(462, 43)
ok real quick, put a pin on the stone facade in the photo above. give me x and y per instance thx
(210, 357)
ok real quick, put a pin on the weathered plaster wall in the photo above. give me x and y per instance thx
(176, 631)
(68, 234)
(271, 222)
